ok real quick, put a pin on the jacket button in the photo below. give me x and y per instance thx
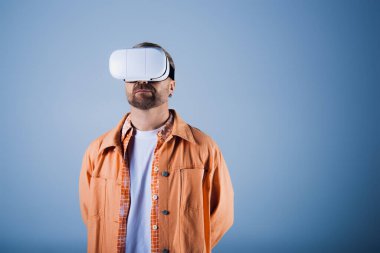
(165, 251)
(165, 212)
(165, 173)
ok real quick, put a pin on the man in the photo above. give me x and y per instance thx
(154, 183)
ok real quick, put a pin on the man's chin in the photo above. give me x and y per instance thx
(141, 106)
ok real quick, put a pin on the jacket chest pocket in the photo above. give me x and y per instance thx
(97, 197)
(191, 194)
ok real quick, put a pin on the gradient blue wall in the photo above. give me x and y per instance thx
(288, 89)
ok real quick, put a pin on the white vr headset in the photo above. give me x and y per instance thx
(140, 64)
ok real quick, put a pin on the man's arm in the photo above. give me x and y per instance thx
(84, 185)
(222, 199)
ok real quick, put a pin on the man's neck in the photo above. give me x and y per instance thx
(151, 119)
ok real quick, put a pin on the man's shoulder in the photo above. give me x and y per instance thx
(106, 137)
(94, 145)
(205, 144)
(202, 138)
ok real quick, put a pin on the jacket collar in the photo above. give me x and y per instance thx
(113, 137)
(163, 131)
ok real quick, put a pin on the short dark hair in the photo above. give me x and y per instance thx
(150, 44)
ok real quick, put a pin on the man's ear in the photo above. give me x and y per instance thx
(172, 86)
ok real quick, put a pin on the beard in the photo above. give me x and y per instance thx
(145, 100)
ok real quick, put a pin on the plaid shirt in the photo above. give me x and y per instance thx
(126, 135)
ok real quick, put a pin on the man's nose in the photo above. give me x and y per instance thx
(140, 83)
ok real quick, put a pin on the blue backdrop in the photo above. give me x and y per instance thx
(288, 89)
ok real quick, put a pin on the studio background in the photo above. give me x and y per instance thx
(288, 89)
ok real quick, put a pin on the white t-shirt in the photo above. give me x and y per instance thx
(138, 239)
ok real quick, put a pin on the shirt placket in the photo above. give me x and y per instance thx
(154, 226)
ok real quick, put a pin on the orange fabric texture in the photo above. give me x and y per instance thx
(195, 204)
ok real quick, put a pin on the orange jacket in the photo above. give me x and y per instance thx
(196, 189)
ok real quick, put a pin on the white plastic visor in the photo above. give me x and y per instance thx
(139, 64)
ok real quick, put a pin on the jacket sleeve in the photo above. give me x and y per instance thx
(222, 199)
(84, 185)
